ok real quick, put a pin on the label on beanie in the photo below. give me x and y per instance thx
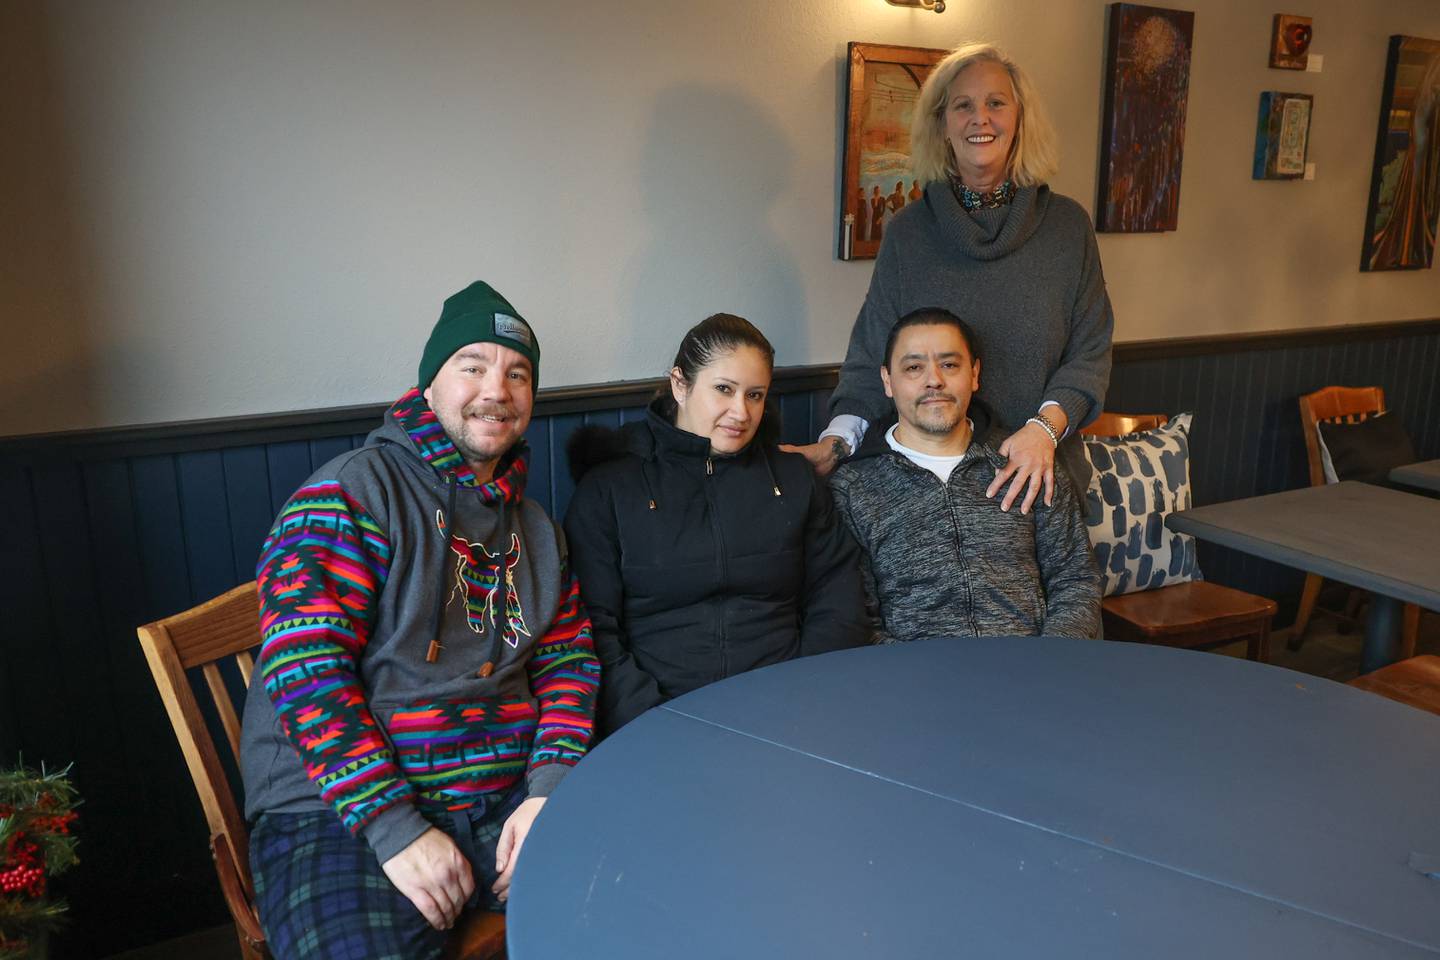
(513, 328)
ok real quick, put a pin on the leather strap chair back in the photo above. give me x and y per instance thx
(1351, 404)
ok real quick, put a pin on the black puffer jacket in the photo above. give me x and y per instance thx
(694, 568)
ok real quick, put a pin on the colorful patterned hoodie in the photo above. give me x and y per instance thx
(382, 551)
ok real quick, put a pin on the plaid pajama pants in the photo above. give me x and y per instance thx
(322, 895)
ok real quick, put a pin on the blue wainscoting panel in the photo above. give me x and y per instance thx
(205, 519)
(560, 484)
(247, 487)
(287, 464)
(101, 537)
(328, 448)
(796, 420)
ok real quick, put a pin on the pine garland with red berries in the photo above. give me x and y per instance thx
(37, 811)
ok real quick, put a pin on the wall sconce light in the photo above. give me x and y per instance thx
(937, 5)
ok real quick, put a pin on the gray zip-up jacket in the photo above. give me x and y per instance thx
(944, 560)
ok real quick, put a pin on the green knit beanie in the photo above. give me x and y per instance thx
(478, 314)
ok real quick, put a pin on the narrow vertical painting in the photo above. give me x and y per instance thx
(1405, 181)
(1147, 86)
(884, 86)
(1282, 135)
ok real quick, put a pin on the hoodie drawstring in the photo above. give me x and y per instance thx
(433, 654)
(503, 548)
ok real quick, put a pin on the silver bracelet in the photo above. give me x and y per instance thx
(1049, 430)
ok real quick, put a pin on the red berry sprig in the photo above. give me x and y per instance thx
(27, 875)
(28, 879)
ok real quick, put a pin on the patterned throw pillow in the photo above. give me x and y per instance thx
(1137, 481)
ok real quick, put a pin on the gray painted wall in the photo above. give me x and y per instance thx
(215, 209)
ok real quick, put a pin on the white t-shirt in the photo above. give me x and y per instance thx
(851, 428)
(942, 467)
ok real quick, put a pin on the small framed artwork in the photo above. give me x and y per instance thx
(884, 86)
(1404, 200)
(1290, 42)
(1147, 88)
(1282, 135)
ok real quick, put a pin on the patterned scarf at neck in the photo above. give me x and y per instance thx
(971, 200)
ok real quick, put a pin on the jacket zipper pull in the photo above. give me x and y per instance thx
(709, 467)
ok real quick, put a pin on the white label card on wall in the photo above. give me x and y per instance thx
(1309, 171)
(1314, 62)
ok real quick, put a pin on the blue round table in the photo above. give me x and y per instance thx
(996, 797)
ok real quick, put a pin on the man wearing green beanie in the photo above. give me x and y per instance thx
(477, 313)
(427, 674)
(479, 334)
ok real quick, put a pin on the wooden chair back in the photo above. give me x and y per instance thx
(1194, 614)
(1119, 424)
(1334, 403)
(203, 636)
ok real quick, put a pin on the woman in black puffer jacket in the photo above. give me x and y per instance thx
(702, 551)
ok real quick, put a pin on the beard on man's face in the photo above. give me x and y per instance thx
(484, 448)
(936, 418)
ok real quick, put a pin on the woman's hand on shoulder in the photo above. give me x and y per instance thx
(823, 455)
(1029, 467)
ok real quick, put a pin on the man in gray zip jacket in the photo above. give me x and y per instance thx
(942, 558)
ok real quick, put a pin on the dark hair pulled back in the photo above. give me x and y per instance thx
(711, 338)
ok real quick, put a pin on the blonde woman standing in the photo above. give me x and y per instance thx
(992, 243)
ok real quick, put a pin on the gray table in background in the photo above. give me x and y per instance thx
(997, 798)
(1425, 475)
(1385, 541)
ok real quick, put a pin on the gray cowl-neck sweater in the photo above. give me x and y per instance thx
(1026, 277)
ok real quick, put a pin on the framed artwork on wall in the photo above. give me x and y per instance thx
(1405, 181)
(876, 183)
(1290, 42)
(1147, 87)
(1282, 135)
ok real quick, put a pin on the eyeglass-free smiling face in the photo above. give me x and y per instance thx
(482, 397)
(981, 116)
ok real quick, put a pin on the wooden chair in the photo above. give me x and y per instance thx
(1333, 405)
(1415, 682)
(1194, 614)
(203, 636)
